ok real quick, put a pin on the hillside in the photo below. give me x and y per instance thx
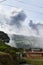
(8, 55)
(5, 59)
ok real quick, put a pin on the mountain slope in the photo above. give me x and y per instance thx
(8, 54)
(5, 59)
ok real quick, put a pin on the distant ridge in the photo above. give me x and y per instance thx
(22, 41)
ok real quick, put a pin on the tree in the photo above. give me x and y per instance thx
(4, 37)
(40, 49)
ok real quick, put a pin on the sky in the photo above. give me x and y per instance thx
(32, 8)
(16, 16)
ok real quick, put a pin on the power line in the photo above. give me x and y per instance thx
(19, 1)
(37, 6)
(10, 5)
(2, 1)
(30, 4)
(22, 3)
(25, 8)
(28, 10)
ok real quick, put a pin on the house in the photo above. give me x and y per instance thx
(34, 54)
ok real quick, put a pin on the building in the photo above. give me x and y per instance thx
(34, 54)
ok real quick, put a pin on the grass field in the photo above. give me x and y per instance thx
(35, 61)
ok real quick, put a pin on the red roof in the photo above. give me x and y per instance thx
(35, 52)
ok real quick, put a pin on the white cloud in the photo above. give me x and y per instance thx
(17, 16)
(7, 24)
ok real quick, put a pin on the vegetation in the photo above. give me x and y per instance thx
(35, 61)
(8, 55)
(4, 37)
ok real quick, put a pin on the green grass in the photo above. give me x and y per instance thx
(6, 49)
(35, 61)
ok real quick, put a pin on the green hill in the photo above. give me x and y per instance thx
(8, 55)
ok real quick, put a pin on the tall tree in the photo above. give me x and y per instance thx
(4, 37)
